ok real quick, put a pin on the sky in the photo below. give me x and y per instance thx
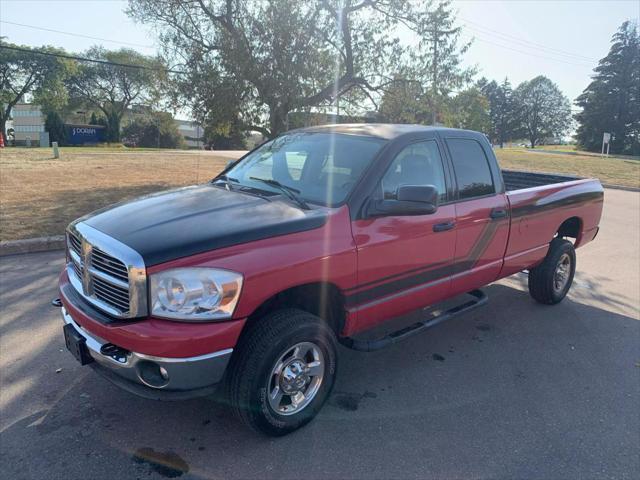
(518, 39)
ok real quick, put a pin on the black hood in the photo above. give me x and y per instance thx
(178, 223)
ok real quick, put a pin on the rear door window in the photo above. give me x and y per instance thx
(471, 168)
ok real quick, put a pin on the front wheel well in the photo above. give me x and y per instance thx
(322, 299)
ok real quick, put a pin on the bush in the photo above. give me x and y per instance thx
(154, 130)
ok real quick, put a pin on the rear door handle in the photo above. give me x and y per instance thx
(498, 213)
(443, 227)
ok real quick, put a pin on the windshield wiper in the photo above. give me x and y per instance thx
(290, 192)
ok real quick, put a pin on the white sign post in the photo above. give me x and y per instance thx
(606, 139)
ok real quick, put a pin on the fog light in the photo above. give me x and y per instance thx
(152, 374)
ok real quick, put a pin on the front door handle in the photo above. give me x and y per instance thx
(498, 213)
(443, 227)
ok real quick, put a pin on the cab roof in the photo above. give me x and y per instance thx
(388, 131)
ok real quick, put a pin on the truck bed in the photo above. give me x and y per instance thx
(519, 180)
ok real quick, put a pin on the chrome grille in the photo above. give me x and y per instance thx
(111, 294)
(105, 272)
(109, 265)
(77, 269)
(75, 244)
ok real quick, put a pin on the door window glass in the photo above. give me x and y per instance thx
(471, 167)
(417, 164)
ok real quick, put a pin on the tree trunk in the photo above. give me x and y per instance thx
(277, 120)
(533, 142)
(113, 127)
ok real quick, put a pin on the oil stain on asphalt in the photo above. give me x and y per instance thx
(167, 464)
(349, 401)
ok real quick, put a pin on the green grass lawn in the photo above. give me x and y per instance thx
(613, 171)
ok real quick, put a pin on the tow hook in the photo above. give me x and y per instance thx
(56, 302)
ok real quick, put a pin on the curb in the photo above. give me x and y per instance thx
(621, 187)
(32, 245)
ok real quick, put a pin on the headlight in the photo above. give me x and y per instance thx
(195, 294)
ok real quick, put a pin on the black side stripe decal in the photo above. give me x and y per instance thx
(553, 201)
(395, 276)
(434, 272)
(429, 274)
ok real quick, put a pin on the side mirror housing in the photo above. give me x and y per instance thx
(410, 200)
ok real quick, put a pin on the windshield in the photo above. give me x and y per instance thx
(323, 167)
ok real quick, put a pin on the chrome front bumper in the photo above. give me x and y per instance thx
(151, 376)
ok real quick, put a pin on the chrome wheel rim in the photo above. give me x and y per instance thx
(296, 378)
(562, 273)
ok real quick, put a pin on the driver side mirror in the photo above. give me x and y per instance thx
(410, 200)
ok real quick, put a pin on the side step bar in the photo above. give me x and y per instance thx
(394, 337)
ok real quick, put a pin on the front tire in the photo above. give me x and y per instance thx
(550, 281)
(283, 371)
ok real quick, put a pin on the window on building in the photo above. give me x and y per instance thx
(25, 113)
(28, 128)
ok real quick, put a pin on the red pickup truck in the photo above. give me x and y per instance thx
(252, 280)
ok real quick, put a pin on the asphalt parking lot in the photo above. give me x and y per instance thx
(514, 390)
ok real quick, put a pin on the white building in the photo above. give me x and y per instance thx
(192, 132)
(28, 125)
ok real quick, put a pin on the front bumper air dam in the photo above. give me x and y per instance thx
(158, 378)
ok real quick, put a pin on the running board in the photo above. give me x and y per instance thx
(394, 337)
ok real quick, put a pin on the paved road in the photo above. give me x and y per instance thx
(516, 390)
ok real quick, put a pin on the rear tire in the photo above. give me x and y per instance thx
(550, 281)
(283, 371)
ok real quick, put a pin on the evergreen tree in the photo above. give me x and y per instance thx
(55, 126)
(501, 109)
(611, 102)
(440, 57)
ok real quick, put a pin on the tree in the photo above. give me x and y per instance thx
(24, 71)
(55, 126)
(282, 55)
(470, 110)
(113, 87)
(439, 56)
(502, 110)
(543, 110)
(404, 102)
(215, 103)
(611, 102)
(225, 136)
(155, 130)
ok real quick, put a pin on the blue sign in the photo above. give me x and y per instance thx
(82, 134)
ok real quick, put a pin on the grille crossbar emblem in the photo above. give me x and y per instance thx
(87, 287)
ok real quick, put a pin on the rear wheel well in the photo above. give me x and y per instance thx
(322, 299)
(571, 227)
